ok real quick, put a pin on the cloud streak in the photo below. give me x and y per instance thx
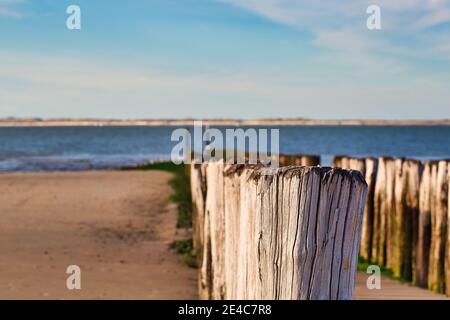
(340, 27)
(70, 87)
(8, 10)
(319, 15)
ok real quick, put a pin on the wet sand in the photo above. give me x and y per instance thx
(116, 226)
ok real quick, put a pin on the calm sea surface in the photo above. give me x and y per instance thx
(84, 148)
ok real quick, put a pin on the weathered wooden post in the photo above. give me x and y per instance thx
(447, 251)
(404, 223)
(371, 169)
(414, 171)
(368, 168)
(389, 213)
(397, 218)
(205, 271)
(233, 236)
(309, 232)
(439, 217)
(424, 228)
(199, 221)
(291, 235)
(216, 212)
(198, 191)
(383, 196)
(358, 164)
(240, 237)
(247, 273)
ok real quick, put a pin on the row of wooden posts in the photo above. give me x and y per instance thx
(406, 224)
(291, 234)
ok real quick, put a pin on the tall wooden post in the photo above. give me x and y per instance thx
(383, 212)
(215, 210)
(447, 251)
(292, 235)
(311, 230)
(404, 223)
(198, 191)
(424, 227)
(439, 217)
(371, 166)
(414, 171)
(233, 236)
(389, 213)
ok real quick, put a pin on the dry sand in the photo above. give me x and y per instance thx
(117, 226)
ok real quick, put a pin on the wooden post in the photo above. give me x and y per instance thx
(233, 237)
(381, 212)
(309, 232)
(215, 210)
(397, 217)
(247, 273)
(439, 216)
(358, 164)
(447, 251)
(201, 247)
(198, 191)
(371, 167)
(205, 272)
(389, 213)
(414, 171)
(368, 168)
(404, 222)
(291, 235)
(240, 237)
(424, 228)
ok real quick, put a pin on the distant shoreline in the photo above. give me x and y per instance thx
(215, 122)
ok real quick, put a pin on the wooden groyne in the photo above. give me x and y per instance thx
(406, 224)
(293, 234)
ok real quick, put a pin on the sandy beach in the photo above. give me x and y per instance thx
(116, 226)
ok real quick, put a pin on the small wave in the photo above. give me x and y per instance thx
(75, 162)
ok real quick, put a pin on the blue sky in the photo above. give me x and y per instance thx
(225, 58)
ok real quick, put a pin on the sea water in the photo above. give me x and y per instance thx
(89, 148)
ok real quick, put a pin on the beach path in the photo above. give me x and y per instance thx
(116, 226)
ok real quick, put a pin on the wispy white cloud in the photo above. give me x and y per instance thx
(8, 9)
(34, 85)
(317, 15)
(92, 75)
(340, 27)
